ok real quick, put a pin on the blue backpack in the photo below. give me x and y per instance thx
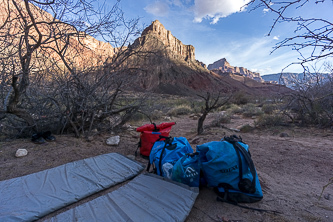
(227, 166)
(164, 154)
(187, 170)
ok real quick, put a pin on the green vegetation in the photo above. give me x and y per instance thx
(180, 110)
(221, 118)
(268, 120)
(269, 108)
(250, 110)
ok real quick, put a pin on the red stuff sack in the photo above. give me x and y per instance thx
(150, 133)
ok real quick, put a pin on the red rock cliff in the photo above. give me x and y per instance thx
(173, 45)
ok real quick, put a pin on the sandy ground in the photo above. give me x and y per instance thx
(292, 170)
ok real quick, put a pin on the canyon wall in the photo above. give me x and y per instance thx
(224, 66)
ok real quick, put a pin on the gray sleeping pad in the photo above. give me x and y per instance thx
(146, 198)
(35, 195)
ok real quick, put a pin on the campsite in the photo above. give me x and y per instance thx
(292, 170)
(239, 125)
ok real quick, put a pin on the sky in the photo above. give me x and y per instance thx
(224, 29)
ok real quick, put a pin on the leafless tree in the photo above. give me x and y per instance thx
(46, 68)
(212, 102)
(312, 99)
(310, 33)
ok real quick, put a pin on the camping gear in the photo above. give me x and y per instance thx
(166, 153)
(33, 196)
(227, 166)
(187, 170)
(149, 134)
(147, 197)
(42, 137)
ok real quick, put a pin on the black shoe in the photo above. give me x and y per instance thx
(37, 138)
(48, 136)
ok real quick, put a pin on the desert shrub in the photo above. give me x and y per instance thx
(250, 110)
(268, 108)
(234, 109)
(156, 114)
(246, 128)
(271, 120)
(180, 110)
(221, 118)
(240, 98)
(138, 117)
(312, 102)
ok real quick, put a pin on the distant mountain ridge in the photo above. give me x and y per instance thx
(291, 80)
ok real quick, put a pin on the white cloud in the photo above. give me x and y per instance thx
(266, 10)
(216, 9)
(276, 37)
(158, 8)
(177, 3)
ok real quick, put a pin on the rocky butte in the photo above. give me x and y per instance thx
(224, 67)
(173, 46)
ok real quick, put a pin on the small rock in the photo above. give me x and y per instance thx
(196, 140)
(327, 196)
(284, 135)
(90, 138)
(194, 116)
(113, 141)
(21, 152)
(246, 128)
(235, 130)
(222, 113)
(168, 118)
(132, 157)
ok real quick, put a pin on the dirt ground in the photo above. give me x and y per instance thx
(292, 169)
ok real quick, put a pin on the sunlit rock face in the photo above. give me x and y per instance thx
(225, 67)
(175, 47)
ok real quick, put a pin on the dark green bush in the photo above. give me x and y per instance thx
(271, 120)
(268, 108)
(221, 118)
(250, 110)
(180, 110)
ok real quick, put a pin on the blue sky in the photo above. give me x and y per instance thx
(219, 29)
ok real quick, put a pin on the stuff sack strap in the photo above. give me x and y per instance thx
(224, 200)
(245, 185)
(168, 140)
(139, 145)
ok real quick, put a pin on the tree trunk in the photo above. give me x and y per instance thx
(200, 123)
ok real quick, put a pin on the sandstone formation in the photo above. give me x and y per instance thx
(168, 66)
(175, 47)
(224, 66)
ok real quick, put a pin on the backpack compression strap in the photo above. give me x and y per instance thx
(168, 141)
(244, 184)
(155, 128)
